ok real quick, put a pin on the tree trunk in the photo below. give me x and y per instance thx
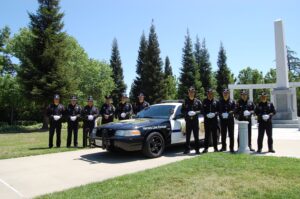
(12, 116)
(45, 118)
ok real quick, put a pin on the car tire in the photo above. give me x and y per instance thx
(154, 145)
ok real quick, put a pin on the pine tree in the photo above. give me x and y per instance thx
(168, 67)
(189, 75)
(204, 66)
(117, 72)
(137, 86)
(170, 81)
(223, 75)
(153, 83)
(43, 72)
(197, 55)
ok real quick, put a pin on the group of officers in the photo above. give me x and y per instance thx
(226, 110)
(73, 113)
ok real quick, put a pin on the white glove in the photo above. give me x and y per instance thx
(246, 113)
(191, 113)
(73, 118)
(123, 115)
(265, 117)
(211, 115)
(90, 117)
(225, 115)
(56, 117)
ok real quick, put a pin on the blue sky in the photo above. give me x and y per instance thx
(244, 26)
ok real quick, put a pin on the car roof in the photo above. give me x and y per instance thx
(173, 103)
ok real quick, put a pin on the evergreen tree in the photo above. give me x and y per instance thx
(117, 72)
(43, 72)
(204, 66)
(170, 81)
(137, 86)
(223, 75)
(168, 67)
(153, 83)
(197, 55)
(189, 76)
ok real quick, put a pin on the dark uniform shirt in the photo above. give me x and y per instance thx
(124, 108)
(89, 110)
(55, 110)
(242, 106)
(140, 106)
(73, 111)
(227, 106)
(107, 109)
(210, 106)
(265, 108)
(191, 105)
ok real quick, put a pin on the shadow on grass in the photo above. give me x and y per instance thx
(22, 130)
(124, 157)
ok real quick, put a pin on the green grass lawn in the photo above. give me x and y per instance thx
(20, 144)
(214, 175)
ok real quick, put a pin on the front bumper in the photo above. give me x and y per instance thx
(133, 143)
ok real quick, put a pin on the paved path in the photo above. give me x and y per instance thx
(28, 177)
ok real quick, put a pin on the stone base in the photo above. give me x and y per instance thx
(285, 103)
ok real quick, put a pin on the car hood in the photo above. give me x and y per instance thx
(134, 123)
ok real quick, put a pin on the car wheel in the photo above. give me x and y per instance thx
(154, 145)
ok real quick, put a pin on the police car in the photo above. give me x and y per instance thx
(151, 131)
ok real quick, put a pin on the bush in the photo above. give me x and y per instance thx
(25, 123)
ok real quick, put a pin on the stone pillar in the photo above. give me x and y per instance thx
(243, 137)
(232, 94)
(251, 94)
(281, 56)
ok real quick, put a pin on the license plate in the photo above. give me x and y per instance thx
(98, 142)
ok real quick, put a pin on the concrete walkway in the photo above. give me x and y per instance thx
(28, 177)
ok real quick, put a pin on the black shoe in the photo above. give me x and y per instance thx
(216, 150)
(223, 149)
(204, 151)
(186, 152)
(271, 151)
(57, 146)
(258, 151)
(232, 151)
(68, 146)
(50, 147)
(251, 149)
(197, 152)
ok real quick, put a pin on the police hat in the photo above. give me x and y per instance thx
(263, 93)
(56, 96)
(192, 88)
(141, 95)
(244, 92)
(225, 90)
(210, 90)
(73, 97)
(90, 98)
(108, 97)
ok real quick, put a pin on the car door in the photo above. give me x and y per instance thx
(178, 126)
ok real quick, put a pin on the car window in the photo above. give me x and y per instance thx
(178, 113)
(157, 111)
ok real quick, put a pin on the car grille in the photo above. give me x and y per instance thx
(105, 133)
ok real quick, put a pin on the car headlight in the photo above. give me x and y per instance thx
(128, 133)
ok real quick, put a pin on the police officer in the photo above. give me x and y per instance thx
(124, 109)
(107, 110)
(141, 104)
(244, 110)
(191, 108)
(210, 112)
(89, 115)
(265, 111)
(55, 112)
(226, 113)
(73, 112)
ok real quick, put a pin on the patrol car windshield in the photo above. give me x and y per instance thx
(157, 111)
